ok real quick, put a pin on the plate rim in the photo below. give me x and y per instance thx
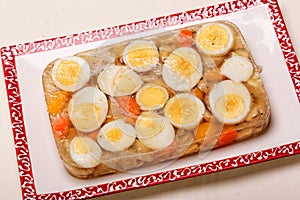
(9, 53)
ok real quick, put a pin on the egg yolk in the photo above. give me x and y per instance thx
(125, 83)
(152, 96)
(230, 106)
(150, 125)
(80, 147)
(86, 115)
(68, 72)
(141, 55)
(213, 38)
(181, 65)
(183, 111)
(114, 135)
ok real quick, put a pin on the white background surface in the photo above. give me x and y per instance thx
(34, 20)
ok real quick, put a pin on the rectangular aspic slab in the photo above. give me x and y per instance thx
(208, 78)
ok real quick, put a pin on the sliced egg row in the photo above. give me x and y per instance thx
(181, 70)
(153, 130)
(88, 107)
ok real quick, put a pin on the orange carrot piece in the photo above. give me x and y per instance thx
(226, 137)
(57, 101)
(60, 126)
(128, 105)
(185, 38)
(202, 130)
(186, 32)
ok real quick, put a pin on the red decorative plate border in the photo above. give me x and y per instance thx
(8, 55)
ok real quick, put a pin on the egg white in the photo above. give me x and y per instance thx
(187, 110)
(90, 98)
(93, 155)
(164, 133)
(136, 44)
(221, 51)
(119, 81)
(155, 106)
(84, 76)
(127, 137)
(237, 68)
(229, 87)
(177, 81)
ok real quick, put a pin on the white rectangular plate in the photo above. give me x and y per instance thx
(262, 25)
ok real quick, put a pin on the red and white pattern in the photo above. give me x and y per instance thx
(8, 55)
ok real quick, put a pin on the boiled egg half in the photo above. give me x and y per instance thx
(85, 152)
(154, 130)
(183, 69)
(237, 68)
(230, 101)
(141, 55)
(184, 111)
(116, 135)
(151, 97)
(214, 39)
(87, 109)
(70, 73)
(119, 81)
